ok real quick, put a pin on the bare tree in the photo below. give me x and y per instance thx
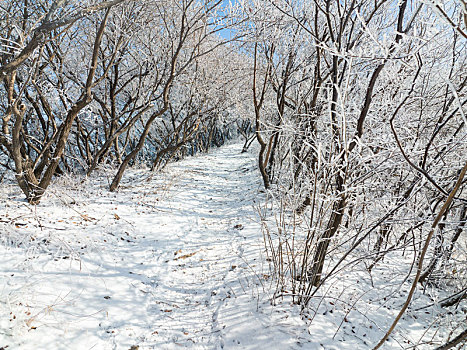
(185, 30)
(356, 135)
(22, 65)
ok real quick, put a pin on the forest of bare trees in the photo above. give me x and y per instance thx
(89, 83)
(358, 110)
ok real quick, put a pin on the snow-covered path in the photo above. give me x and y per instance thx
(168, 262)
(201, 251)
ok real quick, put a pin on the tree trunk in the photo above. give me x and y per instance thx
(136, 150)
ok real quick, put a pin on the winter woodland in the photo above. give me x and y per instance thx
(252, 174)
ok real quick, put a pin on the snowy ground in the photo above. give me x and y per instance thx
(165, 263)
(176, 261)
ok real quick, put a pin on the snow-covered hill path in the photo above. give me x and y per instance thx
(166, 263)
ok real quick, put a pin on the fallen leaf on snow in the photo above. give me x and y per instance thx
(185, 256)
(86, 217)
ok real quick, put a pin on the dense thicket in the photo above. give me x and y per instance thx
(360, 111)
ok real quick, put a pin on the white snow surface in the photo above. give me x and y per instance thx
(175, 259)
(170, 261)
